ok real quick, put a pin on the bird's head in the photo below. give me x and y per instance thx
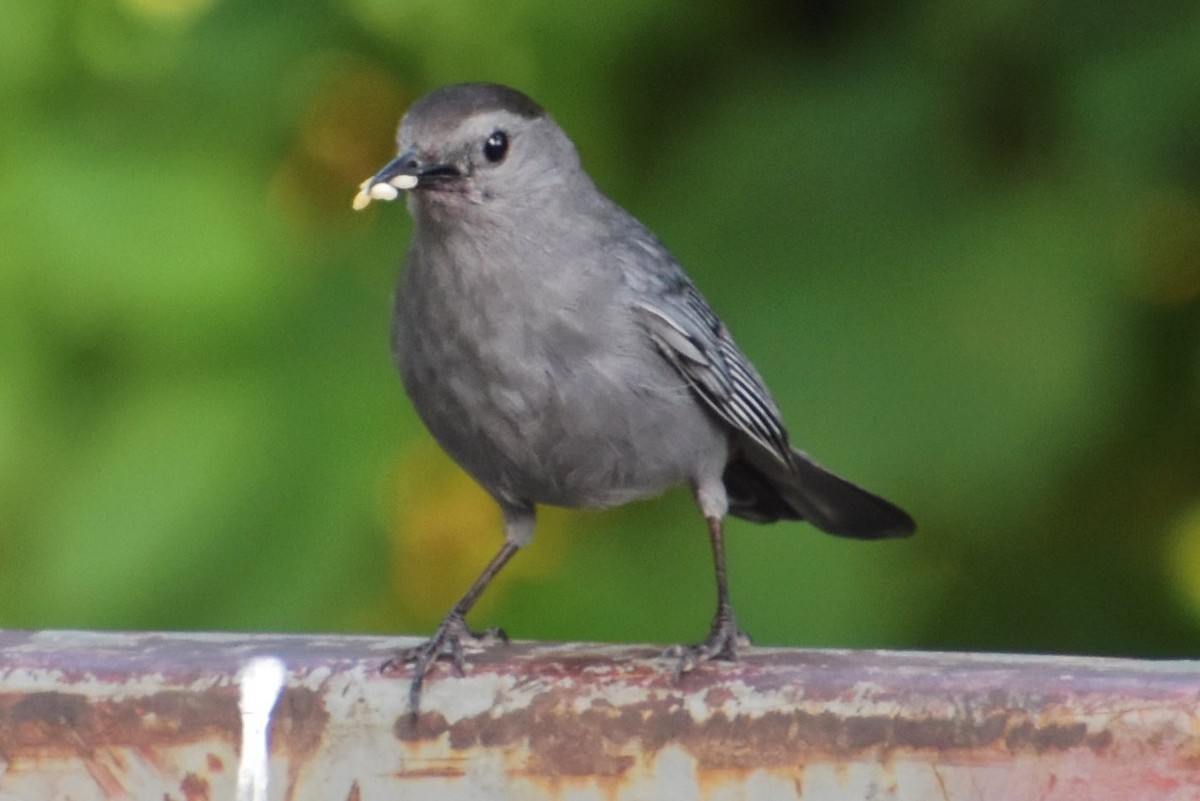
(471, 145)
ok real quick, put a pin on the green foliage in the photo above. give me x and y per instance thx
(962, 243)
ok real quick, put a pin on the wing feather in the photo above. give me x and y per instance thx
(688, 334)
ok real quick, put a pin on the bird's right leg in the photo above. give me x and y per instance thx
(453, 639)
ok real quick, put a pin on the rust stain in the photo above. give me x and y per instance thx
(564, 741)
(151, 757)
(40, 719)
(717, 696)
(438, 772)
(109, 784)
(300, 721)
(429, 726)
(101, 733)
(597, 722)
(1052, 737)
(611, 788)
(194, 788)
(67, 724)
(1099, 741)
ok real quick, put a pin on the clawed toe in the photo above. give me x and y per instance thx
(451, 641)
(723, 643)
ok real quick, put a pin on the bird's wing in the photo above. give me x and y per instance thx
(690, 336)
(773, 481)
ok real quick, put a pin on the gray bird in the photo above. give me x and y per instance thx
(559, 353)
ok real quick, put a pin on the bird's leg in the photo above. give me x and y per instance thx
(724, 639)
(452, 638)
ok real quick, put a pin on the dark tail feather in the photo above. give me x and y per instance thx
(810, 492)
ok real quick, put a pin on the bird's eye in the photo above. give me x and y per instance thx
(496, 147)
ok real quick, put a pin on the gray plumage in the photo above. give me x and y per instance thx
(559, 353)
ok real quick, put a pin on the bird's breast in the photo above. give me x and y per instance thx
(545, 390)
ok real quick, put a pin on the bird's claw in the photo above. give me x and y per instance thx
(451, 641)
(723, 642)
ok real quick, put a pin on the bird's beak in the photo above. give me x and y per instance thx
(406, 171)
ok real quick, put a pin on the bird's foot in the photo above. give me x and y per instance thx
(451, 641)
(723, 642)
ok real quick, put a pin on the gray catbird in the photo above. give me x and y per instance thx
(559, 353)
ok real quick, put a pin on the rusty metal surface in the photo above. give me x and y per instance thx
(157, 716)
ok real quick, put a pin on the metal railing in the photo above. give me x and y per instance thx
(87, 715)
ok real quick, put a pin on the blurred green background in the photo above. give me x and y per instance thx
(960, 240)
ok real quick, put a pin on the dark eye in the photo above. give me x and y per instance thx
(496, 147)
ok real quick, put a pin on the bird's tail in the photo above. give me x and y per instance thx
(806, 491)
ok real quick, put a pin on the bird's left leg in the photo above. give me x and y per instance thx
(724, 638)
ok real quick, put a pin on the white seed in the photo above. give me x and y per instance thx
(383, 192)
(404, 181)
(361, 200)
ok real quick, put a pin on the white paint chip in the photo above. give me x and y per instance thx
(260, 682)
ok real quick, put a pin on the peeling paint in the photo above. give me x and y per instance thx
(105, 716)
